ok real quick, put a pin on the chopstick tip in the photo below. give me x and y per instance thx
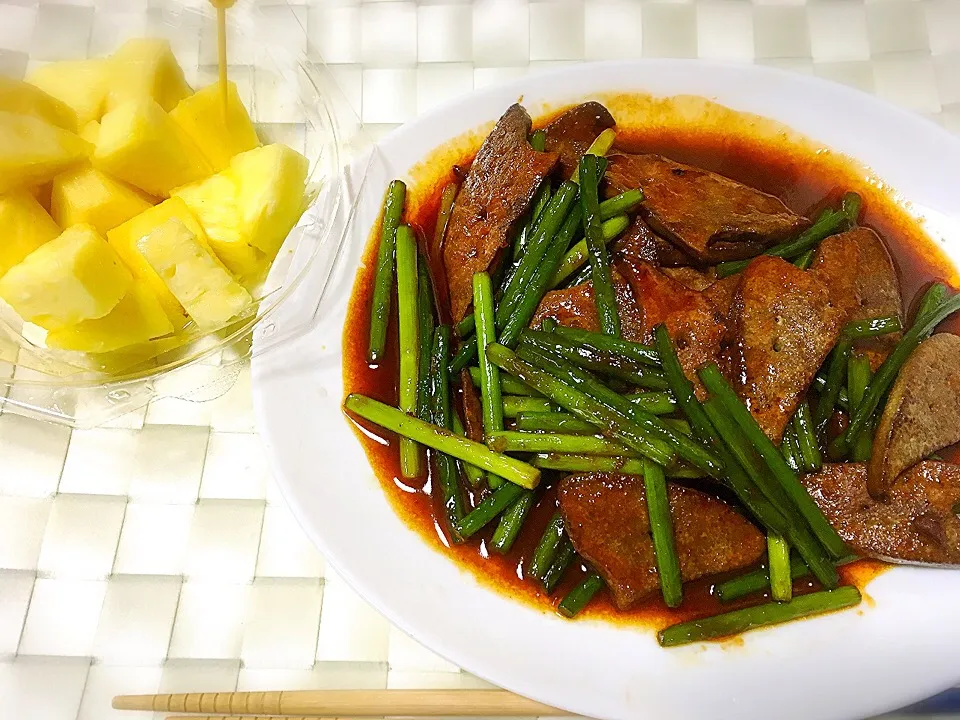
(132, 702)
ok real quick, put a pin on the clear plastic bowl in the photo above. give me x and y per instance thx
(293, 98)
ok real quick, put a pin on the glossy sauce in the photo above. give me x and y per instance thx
(805, 178)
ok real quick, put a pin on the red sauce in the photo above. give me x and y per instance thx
(805, 179)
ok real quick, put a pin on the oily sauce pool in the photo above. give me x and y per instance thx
(805, 177)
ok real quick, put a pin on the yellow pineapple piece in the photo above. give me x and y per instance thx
(33, 151)
(219, 135)
(91, 132)
(194, 275)
(25, 226)
(139, 356)
(86, 195)
(249, 209)
(137, 318)
(22, 98)
(272, 182)
(214, 202)
(124, 240)
(79, 84)
(142, 146)
(72, 278)
(146, 68)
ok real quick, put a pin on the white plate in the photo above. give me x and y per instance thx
(900, 647)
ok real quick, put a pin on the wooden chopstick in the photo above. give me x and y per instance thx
(342, 703)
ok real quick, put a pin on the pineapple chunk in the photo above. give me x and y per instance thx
(25, 226)
(72, 278)
(124, 240)
(33, 151)
(138, 356)
(141, 145)
(79, 84)
(194, 275)
(86, 195)
(271, 181)
(249, 208)
(137, 318)
(22, 98)
(219, 135)
(146, 68)
(91, 132)
(214, 203)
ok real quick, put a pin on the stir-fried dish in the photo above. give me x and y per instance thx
(623, 377)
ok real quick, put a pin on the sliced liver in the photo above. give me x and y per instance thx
(575, 307)
(783, 323)
(858, 258)
(606, 517)
(722, 292)
(691, 277)
(693, 322)
(711, 217)
(495, 195)
(918, 522)
(922, 414)
(641, 244)
(572, 132)
(719, 291)
(472, 409)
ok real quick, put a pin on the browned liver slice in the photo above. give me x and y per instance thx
(692, 321)
(575, 307)
(472, 409)
(641, 244)
(501, 182)
(783, 323)
(922, 414)
(722, 292)
(691, 277)
(917, 523)
(719, 291)
(858, 257)
(606, 517)
(713, 218)
(572, 132)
